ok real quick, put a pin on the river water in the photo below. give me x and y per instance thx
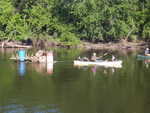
(64, 88)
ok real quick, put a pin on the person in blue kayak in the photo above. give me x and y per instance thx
(21, 55)
(146, 52)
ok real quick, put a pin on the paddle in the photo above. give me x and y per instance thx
(103, 55)
(56, 61)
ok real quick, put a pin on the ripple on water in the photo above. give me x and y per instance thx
(18, 108)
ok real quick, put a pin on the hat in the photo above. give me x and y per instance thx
(94, 54)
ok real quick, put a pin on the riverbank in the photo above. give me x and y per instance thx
(121, 45)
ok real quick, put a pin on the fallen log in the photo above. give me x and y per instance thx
(15, 46)
(11, 44)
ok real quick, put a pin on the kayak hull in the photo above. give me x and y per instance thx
(116, 64)
(142, 57)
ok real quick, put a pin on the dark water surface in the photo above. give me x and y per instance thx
(63, 88)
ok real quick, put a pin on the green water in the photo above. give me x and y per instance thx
(32, 88)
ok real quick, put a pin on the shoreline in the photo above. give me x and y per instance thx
(121, 45)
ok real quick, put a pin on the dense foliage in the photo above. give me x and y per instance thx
(71, 20)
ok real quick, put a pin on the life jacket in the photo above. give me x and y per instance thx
(22, 55)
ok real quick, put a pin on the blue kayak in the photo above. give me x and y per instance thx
(142, 57)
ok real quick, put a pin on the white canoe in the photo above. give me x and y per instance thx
(116, 64)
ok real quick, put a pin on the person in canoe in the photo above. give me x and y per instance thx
(146, 52)
(113, 58)
(83, 59)
(94, 57)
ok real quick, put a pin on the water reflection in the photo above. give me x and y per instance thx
(49, 68)
(93, 69)
(98, 69)
(44, 68)
(146, 62)
(22, 69)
